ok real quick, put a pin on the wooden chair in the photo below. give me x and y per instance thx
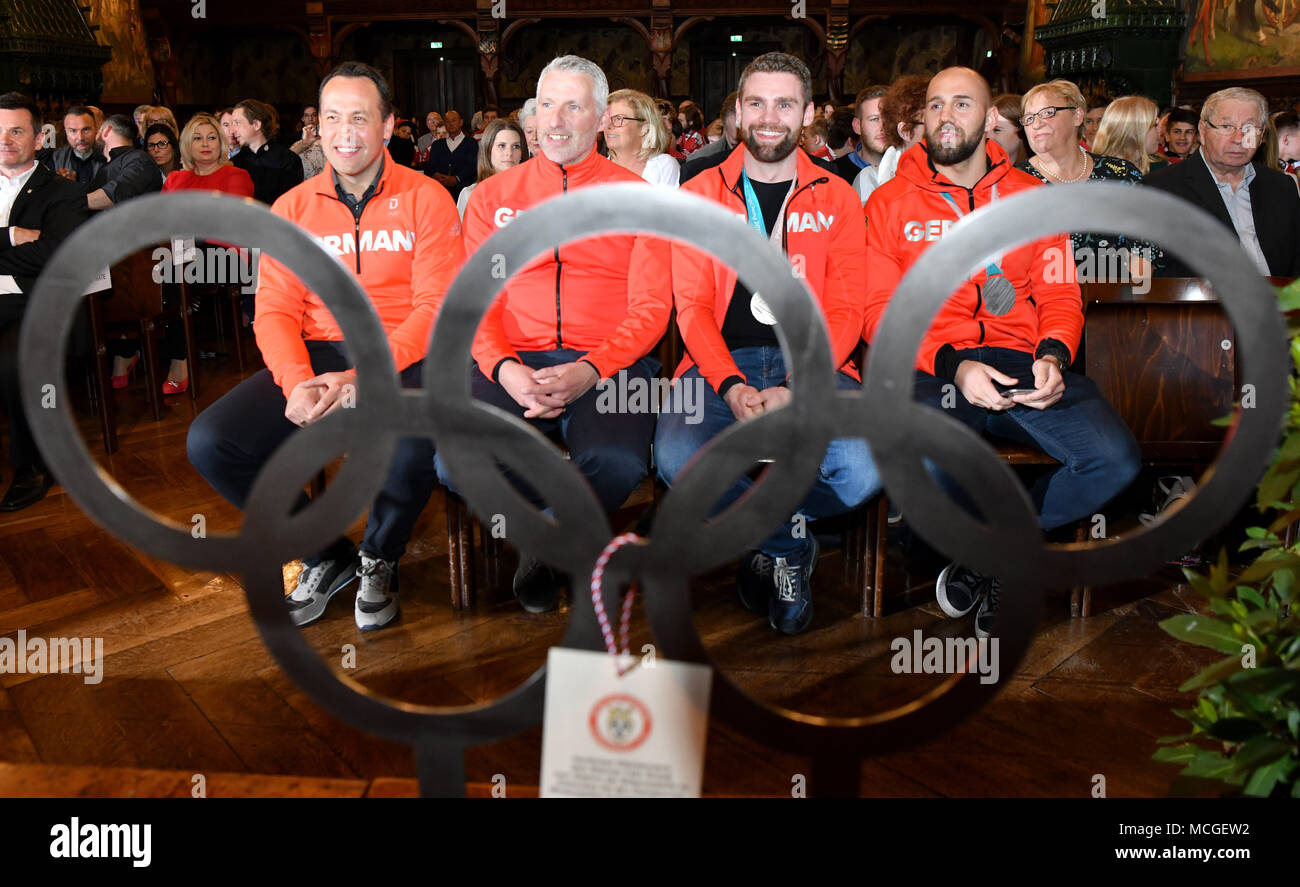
(137, 303)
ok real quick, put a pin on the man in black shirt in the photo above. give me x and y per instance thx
(273, 168)
(129, 171)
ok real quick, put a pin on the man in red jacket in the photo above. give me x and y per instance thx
(996, 356)
(399, 232)
(730, 333)
(588, 311)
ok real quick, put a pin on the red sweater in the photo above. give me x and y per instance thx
(228, 179)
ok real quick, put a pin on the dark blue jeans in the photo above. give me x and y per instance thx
(848, 476)
(611, 449)
(1097, 452)
(231, 440)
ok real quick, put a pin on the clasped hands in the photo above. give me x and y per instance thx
(544, 393)
(316, 398)
(746, 401)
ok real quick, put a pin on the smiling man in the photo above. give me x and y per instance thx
(1259, 205)
(584, 312)
(399, 234)
(730, 333)
(1004, 330)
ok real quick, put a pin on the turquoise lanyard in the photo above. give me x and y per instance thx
(753, 209)
(993, 269)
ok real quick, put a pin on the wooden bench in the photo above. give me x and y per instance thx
(1167, 361)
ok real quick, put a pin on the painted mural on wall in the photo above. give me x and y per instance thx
(129, 74)
(884, 51)
(621, 52)
(1238, 35)
(231, 65)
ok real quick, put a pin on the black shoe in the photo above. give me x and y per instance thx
(537, 586)
(958, 590)
(754, 581)
(29, 487)
(988, 611)
(790, 606)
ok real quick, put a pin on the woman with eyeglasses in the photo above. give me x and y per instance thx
(160, 142)
(637, 138)
(502, 147)
(1052, 115)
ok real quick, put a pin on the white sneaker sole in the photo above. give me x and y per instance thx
(941, 596)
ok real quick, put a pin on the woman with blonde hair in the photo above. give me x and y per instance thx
(503, 146)
(1129, 130)
(638, 138)
(206, 168)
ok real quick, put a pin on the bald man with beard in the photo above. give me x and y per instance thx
(1004, 341)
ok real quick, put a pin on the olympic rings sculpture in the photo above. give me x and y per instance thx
(473, 438)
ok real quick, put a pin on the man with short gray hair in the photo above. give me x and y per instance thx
(1259, 204)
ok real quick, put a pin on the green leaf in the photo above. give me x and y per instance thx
(1262, 781)
(1293, 722)
(1212, 674)
(1203, 630)
(1246, 593)
(1265, 681)
(1177, 754)
(1210, 765)
(1199, 583)
(1264, 566)
(1256, 532)
(1260, 751)
(1235, 729)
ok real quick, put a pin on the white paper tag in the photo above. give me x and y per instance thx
(638, 736)
(101, 282)
(182, 250)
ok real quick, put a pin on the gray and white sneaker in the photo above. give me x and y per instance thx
(377, 598)
(958, 590)
(317, 586)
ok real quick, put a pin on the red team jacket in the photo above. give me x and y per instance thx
(908, 213)
(824, 231)
(405, 251)
(609, 297)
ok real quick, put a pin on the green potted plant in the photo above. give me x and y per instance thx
(1246, 720)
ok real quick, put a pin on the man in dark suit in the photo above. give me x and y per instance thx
(453, 161)
(78, 160)
(1260, 205)
(38, 209)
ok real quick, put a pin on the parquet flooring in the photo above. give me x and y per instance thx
(188, 686)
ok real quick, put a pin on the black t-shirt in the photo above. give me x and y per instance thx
(740, 329)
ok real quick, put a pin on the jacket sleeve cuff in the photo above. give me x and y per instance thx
(496, 370)
(1054, 348)
(946, 362)
(727, 384)
(589, 362)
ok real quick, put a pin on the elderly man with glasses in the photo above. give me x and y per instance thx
(1260, 205)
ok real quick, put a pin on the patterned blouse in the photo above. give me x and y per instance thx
(1104, 168)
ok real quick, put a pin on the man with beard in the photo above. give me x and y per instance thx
(78, 161)
(586, 311)
(996, 355)
(730, 333)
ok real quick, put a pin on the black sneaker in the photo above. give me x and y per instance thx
(958, 590)
(988, 611)
(790, 608)
(317, 586)
(754, 581)
(537, 586)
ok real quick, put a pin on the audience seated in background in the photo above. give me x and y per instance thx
(78, 161)
(1260, 205)
(637, 138)
(502, 147)
(273, 168)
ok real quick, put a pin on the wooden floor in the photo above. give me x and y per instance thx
(190, 688)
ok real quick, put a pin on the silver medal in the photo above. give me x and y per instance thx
(999, 295)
